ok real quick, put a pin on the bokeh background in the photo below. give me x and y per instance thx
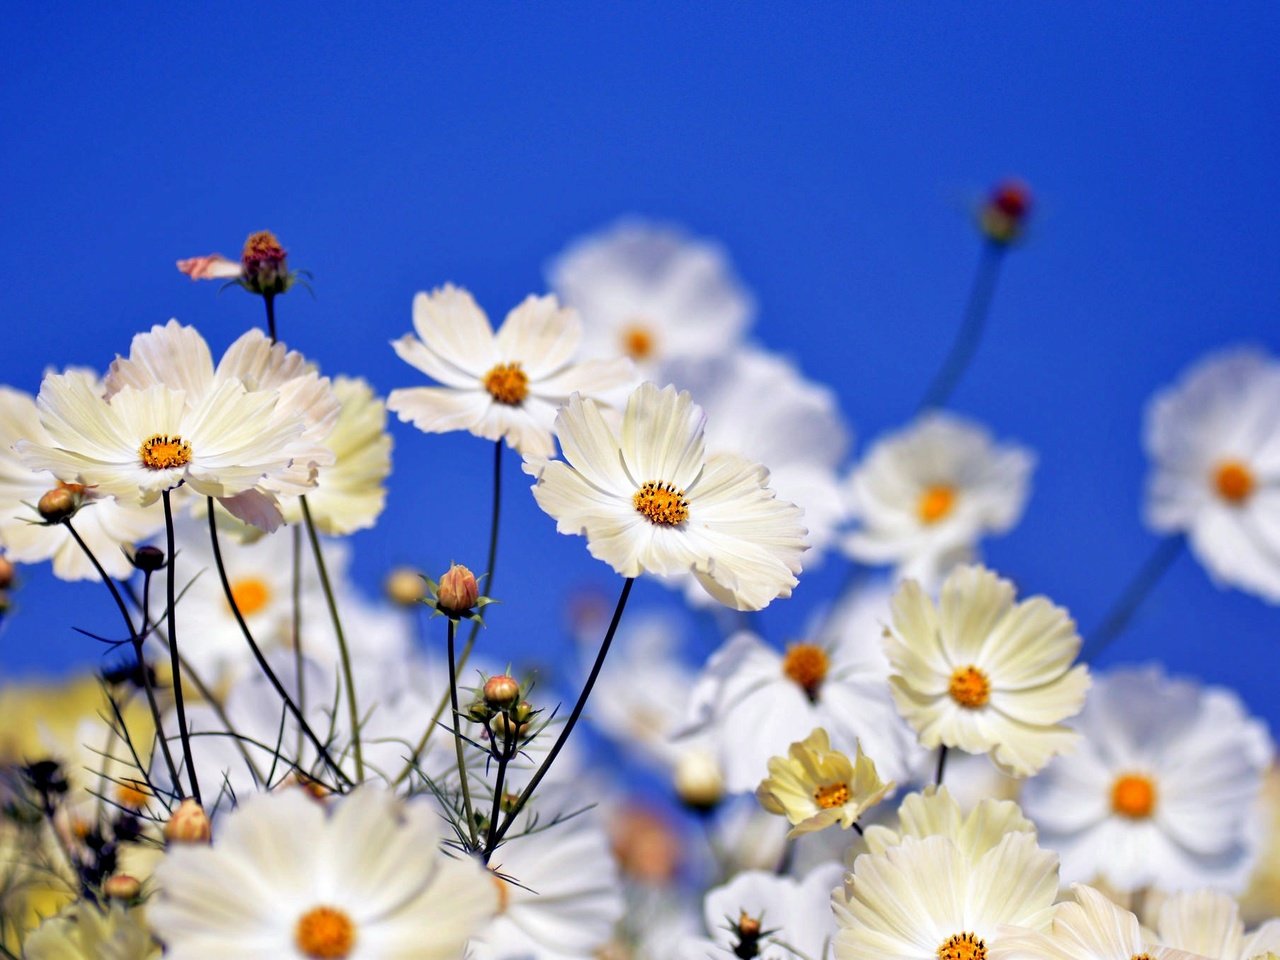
(835, 150)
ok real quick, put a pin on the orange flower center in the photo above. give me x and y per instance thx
(748, 926)
(936, 503)
(662, 503)
(132, 794)
(970, 688)
(963, 946)
(1234, 481)
(638, 341)
(1133, 796)
(832, 795)
(507, 384)
(163, 452)
(806, 665)
(325, 933)
(251, 595)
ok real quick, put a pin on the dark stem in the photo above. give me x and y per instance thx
(568, 727)
(942, 765)
(1135, 592)
(136, 639)
(270, 300)
(174, 666)
(510, 740)
(457, 736)
(297, 624)
(146, 678)
(263, 665)
(969, 335)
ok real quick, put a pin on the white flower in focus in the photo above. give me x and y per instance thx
(983, 674)
(815, 786)
(1209, 924)
(649, 500)
(285, 878)
(106, 525)
(1161, 789)
(350, 494)
(1089, 928)
(1214, 443)
(935, 813)
(650, 293)
(500, 386)
(925, 496)
(926, 900)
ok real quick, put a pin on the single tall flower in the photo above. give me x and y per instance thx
(983, 674)
(501, 386)
(649, 500)
(1214, 443)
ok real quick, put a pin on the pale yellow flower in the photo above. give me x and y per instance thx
(815, 786)
(936, 813)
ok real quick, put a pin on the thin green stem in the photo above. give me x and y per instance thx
(296, 589)
(510, 741)
(174, 666)
(569, 725)
(457, 737)
(353, 711)
(1137, 590)
(969, 335)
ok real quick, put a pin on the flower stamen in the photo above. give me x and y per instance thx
(1234, 481)
(251, 594)
(963, 946)
(806, 665)
(163, 452)
(936, 503)
(507, 384)
(1133, 796)
(970, 688)
(325, 933)
(831, 796)
(638, 341)
(662, 504)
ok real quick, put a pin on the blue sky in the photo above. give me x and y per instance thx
(833, 148)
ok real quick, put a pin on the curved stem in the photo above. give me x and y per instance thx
(353, 711)
(1135, 592)
(263, 665)
(174, 666)
(568, 727)
(457, 737)
(969, 335)
(296, 591)
(942, 765)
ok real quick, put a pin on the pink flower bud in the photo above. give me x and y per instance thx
(501, 691)
(188, 824)
(458, 591)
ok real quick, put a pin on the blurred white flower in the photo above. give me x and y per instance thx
(1161, 790)
(925, 496)
(1208, 923)
(649, 500)
(86, 931)
(984, 674)
(500, 386)
(1214, 443)
(285, 877)
(651, 293)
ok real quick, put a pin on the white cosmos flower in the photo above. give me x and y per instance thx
(501, 386)
(926, 900)
(286, 878)
(935, 813)
(925, 496)
(105, 525)
(649, 500)
(1161, 789)
(1089, 928)
(1214, 443)
(798, 433)
(984, 674)
(650, 293)
(1208, 923)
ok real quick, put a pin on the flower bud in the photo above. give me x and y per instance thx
(698, 781)
(505, 728)
(523, 712)
(59, 504)
(188, 824)
(480, 712)
(263, 264)
(458, 591)
(508, 802)
(121, 886)
(149, 559)
(501, 691)
(7, 573)
(1003, 216)
(405, 586)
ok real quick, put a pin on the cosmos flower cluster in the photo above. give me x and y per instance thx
(275, 764)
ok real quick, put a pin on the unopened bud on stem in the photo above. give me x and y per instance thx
(188, 824)
(458, 591)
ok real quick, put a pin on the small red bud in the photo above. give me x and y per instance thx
(458, 591)
(188, 824)
(501, 691)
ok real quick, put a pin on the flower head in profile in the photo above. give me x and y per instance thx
(649, 500)
(979, 672)
(291, 879)
(924, 497)
(263, 267)
(651, 293)
(1214, 443)
(815, 786)
(1161, 790)
(501, 386)
(1002, 217)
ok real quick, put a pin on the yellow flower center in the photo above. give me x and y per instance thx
(936, 503)
(1141, 956)
(970, 688)
(1133, 796)
(832, 795)
(251, 594)
(325, 933)
(1234, 481)
(963, 946)
(507, 384)
(806, 665)
(662, 503)
(748, 926)
(638, 341)
(163, 452)
(132, 794)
